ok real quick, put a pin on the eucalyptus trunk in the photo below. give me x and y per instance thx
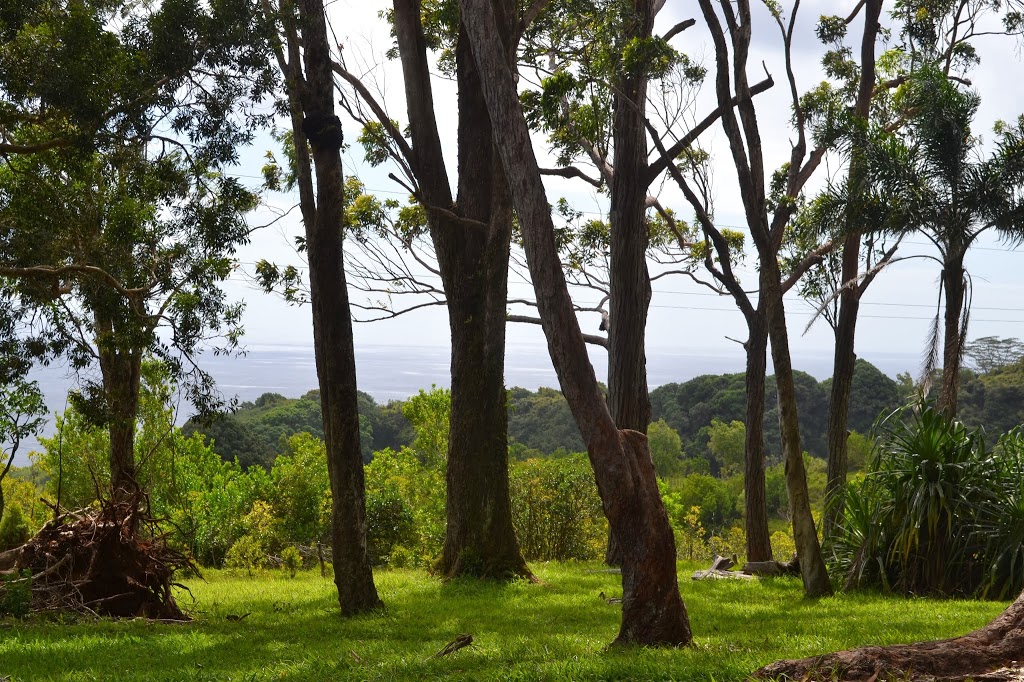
(845, 358)
(629, 281)
(652, 610)
(121, 369)
(805, 537)
(332, 323)
(479, 537)
(759, 546)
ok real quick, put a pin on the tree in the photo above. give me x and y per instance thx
(592, 54)
(303, 55)
(22, 413)
(666, 448)
(148, 221)
(652, 611)
(726, 443)
(951, 198)
(768, 210)
(990, 353)
(472, 255)
(839, 122)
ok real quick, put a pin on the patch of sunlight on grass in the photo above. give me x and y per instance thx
(555, 630)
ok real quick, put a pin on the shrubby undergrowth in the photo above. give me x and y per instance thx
(939, 511)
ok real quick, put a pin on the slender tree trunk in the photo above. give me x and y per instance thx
(652, 611)
(953, 341)
(812, 565)
(759, 547)
(122, 375)
(332, 322)
(843, 366)
(479, 538)
(845, 359)
(629, 281)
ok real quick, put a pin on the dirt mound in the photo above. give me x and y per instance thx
(110, 561)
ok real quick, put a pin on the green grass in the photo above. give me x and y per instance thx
(557, 630)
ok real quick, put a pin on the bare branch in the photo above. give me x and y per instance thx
(529, 16)
(660, 164)
(592, 339)
(571, 172)
(678, 28)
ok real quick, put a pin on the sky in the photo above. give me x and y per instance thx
(684, 317)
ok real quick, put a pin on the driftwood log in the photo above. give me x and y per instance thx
(109, 561)
(720, 569)
(994, 653)
(767, 569)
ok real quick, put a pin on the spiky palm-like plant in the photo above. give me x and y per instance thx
(951, 194)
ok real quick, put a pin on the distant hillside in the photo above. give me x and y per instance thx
(256, 432)
(540, 422)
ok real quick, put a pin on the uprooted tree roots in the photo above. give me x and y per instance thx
(992, 653)
(108, 561)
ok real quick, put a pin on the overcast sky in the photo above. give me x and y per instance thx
(684, 318)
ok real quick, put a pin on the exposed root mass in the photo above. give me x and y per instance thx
(108, 561)
(993, 653)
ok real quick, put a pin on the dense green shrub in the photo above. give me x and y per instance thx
(556, 510)
(938, 511)
(14, 529)
(390, 524)
(404, 506)
(16, 593)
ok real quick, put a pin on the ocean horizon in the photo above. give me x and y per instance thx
(394, 372)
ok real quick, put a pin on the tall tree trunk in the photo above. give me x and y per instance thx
(812, 565)
(629, 281)
(652, 611)
(479, 537)
(843, 366)
(953, 341)
(121, 369)
(759, 547)
(845, 359)
(473, 262)
(332, 322)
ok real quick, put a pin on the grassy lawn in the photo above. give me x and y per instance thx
(557, 630)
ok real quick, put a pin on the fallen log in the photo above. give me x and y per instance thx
(992, 653)
(768, 569)
(720, 569)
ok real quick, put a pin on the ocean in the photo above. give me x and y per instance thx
(397, 371)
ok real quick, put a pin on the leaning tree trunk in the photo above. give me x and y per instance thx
(479, 537)
(629, 281)
(953, 335)
(977, 655)
(121, 370)
(332, 322)
(652, 610)
(805, 537)
(759, 547)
